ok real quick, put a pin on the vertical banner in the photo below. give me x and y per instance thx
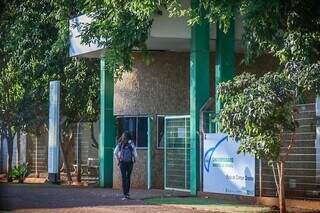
(54, 127)
(225, 171)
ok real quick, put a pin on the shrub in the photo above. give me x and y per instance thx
(20, 172)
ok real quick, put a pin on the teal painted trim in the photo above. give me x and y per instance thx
(225, 60)
(107, 127)
(199, 92)
(150, 148)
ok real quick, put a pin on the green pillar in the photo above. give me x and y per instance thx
(107, 127)
(225, 60)
(199, 92)
(150, 147)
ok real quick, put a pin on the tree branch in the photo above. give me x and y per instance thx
(93, 138)
(275, 178)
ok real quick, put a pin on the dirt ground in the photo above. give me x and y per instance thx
(52, 198)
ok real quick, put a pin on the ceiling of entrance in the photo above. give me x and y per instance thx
(167, 34)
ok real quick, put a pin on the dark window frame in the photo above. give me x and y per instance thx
(136, 129)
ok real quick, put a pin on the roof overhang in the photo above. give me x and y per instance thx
(167, 33)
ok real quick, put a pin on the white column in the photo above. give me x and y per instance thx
(23, 148)
(2, 159)
(5, 155)
(15, 152)
(78, 154)
(317, 142)
(54, 118)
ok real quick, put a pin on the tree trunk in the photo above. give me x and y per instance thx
(275, 178)
(282, 198)
(93, 138)
(78, 154)
(1, 154)
(65, 160)
(36, 157)
(10, 138)
(18, 147)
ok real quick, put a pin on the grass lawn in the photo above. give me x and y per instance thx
(213, 205)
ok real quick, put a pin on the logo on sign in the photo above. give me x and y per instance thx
(216, 162)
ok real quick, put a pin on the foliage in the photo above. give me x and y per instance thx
(35, 45)
(291, 33)
(306, 76)
(121, 26)
(257, 110)
(34, 41)
(20, 172)
(35, 50)
(11, 88)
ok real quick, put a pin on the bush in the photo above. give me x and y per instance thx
(20, 172)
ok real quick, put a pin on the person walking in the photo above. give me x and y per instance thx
(126, 154)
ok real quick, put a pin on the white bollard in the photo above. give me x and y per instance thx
(54, 137)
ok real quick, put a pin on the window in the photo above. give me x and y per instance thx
(137, 128)
(160, 131)
(142, 136)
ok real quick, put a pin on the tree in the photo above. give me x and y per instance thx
(34, 51)
(257, 112)
(12, 91)
(11, 99)
(270, 103)
(121, 26)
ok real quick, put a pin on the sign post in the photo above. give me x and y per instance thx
(54, 127)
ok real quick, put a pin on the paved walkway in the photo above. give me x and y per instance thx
(52, 198)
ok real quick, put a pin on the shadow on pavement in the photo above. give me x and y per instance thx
(45, 196)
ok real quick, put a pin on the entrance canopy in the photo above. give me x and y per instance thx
(170, 34)
(167, 34)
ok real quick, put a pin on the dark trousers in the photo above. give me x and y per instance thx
(126, 169)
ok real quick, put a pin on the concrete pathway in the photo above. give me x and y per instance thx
(52, 198)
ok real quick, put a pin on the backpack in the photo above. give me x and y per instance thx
(126, 153)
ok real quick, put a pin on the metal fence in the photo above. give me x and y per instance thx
(302, 166)
(177, 153)
(84, 150)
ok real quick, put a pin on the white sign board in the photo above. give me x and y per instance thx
(225, 171)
